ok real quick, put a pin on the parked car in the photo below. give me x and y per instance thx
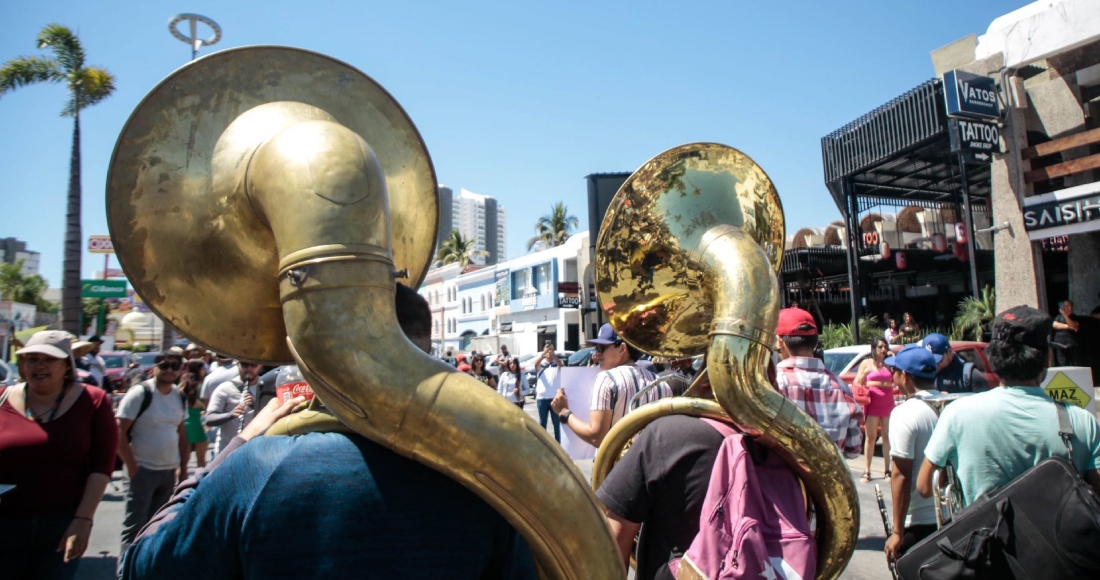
(581, 357)
(118, 364)
(845, 360)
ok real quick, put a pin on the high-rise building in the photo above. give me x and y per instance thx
(13, 250)
(477, 217)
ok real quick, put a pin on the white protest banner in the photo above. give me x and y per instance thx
(577, 382)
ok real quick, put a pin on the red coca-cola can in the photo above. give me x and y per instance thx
(296, 389)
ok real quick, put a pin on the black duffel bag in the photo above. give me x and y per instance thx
(1045, 524)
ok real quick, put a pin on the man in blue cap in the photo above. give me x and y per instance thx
(614, 388)
(911, 425)
(953, 375)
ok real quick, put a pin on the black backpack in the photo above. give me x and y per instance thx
(1045, 524)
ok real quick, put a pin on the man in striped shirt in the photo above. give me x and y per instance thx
(613, 389)
(804, 380)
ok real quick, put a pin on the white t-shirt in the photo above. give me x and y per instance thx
(155, 436)
(911, 425)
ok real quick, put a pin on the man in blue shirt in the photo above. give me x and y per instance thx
(326, 505)
(992, 438)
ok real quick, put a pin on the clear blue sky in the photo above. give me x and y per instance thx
(517, 100)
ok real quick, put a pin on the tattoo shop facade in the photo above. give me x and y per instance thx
(986, 175)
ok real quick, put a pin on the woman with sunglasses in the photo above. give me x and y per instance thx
(879, 380)
(190, 386)
(477, 369)
(512, 384)
(58, 440)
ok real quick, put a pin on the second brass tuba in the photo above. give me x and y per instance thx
(263, 200)
(687, 259)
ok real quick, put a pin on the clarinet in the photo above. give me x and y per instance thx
(247, 378)
(886, 525)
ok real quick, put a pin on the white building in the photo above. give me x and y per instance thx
(475, 216)
(13, 250)
(520, 303)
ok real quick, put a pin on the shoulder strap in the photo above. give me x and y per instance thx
(146, 400)
(1065, 430)
(4, 395)
(935, 409)
(614, 391)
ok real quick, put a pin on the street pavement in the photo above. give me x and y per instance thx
(101, 558)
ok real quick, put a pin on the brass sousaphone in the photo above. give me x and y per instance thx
(686, 263)
(262, 200)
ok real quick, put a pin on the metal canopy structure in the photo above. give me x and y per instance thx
(899, 151)
(898, 158)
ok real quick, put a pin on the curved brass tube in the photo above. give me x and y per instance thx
(317, 186)
(687, 260)
(737, 360)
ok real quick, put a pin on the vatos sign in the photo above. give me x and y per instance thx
(970, 95)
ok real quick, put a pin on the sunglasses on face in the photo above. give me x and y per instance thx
(602, 347)
(169, 366)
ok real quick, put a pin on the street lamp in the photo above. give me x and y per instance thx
(193, 20)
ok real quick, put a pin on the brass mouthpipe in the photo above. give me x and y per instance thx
(318, 188)
(746, 307)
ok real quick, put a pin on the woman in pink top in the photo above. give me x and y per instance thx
(58, 439)
(880, 382)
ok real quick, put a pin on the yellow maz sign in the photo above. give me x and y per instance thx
(1062, 388)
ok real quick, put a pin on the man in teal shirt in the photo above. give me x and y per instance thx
(994, 437)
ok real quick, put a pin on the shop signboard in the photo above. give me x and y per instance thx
(100, 245)
(103, 289)
(976, 140)
(1069, 211)
(970, 95)
(573, 301)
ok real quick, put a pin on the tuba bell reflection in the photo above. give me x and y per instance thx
(687, 260)
(263, 200)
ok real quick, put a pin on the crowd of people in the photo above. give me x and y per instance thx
(60, 440)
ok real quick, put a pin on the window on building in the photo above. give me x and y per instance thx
(543, 280)
(521, 282)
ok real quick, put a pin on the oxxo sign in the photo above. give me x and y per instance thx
(970, 95)
(100, 245)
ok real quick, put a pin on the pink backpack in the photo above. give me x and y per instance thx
(753, 523)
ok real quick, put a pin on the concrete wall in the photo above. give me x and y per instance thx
(1019, 265)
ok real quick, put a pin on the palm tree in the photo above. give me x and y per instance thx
(975, 315)
(87, 86)
(459, 249)
(554, 228)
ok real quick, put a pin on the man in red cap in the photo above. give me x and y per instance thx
(803, 379)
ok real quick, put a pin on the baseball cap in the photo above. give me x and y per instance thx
(1023, 325)
(170, 353)
(915, 360)
(796, 322)
(937, 344)
(607, 336)
(55, 343)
